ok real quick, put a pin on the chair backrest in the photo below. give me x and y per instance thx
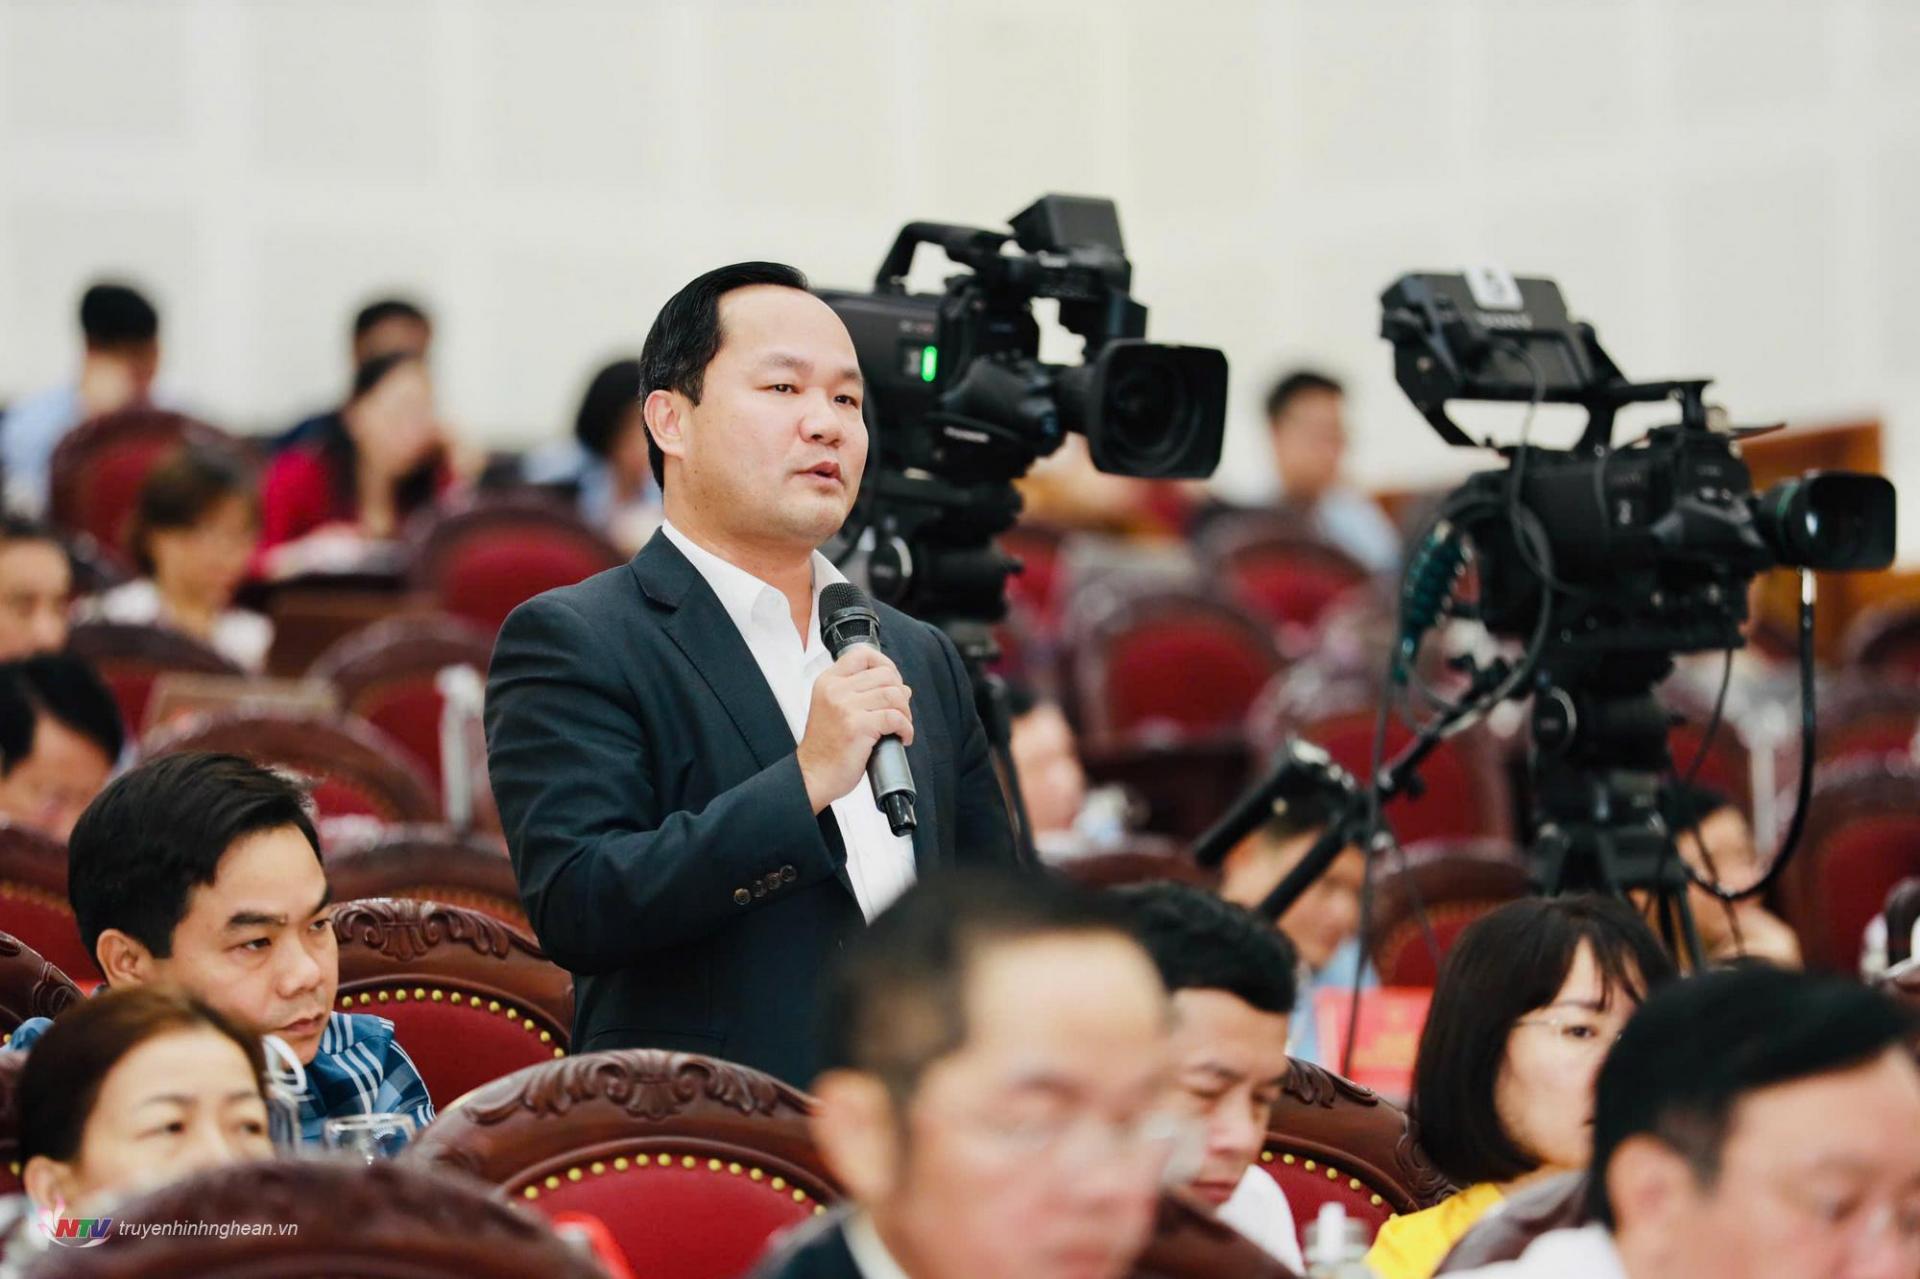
(424, 863)
(1185, 784)
(355, 768)
(1146, 860)
(1865, 715)
(386, 674)
(1330, 1140)
(33, 900)
(470, 999)
(1465, 794)
(1163, 661)
(1862, 837)
(130, 658)
(693, 1164)
(1281, 571)
(98, 468)
(1885, 639)
(11, 1064)
(1450, 882)
(481, 562)
(1902, 913)
(30, 986)
(392, 1220)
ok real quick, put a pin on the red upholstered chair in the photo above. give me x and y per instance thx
(480, 563)
(356, 769)
(1280, 571)
(1160, 663)
(1862, 837)
(1465, 784)
(1144, 861)
(1186, 784)
(693, 1164)
(391, 1220)
(33, 900)
(29, 986)
(11, 1064)
(385, 674)
(1040, 585)
(1332, 1140)
(98, 468)
(1455, 882)
(1885, 639)
(1866, 715)
(131, 658)
(471, 1000)
(425, 863)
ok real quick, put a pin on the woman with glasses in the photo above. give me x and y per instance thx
(1529, 1000)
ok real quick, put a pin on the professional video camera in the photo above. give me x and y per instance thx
(960, 405)
(1609, 561)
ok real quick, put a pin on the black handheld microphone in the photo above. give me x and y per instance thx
(847, 618)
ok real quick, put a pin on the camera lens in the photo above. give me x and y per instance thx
(1156, 411)
(1830, 520)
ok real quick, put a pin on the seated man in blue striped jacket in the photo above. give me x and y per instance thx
(204, 871)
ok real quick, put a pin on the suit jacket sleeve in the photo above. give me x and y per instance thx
(608, 870)
(982, 834)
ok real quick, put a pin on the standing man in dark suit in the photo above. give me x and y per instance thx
(678, 761)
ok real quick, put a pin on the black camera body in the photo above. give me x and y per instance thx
(959, 403)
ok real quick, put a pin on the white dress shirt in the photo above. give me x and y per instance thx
(870, 1255)
(879, 862)
(1585, 1253)
(1258, 1209)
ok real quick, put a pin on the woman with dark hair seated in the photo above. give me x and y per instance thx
(605, 469)
(1529, 1000)
(133, 1088)
(355, 481)
(195, 529)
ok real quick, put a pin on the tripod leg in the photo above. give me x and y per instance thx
(990, 697)
(1683, 911)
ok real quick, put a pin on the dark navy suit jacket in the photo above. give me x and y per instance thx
(660, 831)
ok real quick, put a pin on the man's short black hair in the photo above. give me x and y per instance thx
(162, 828)
(894, 1002)
(21, 528)
(1201, 942)
(380, 310)
(1296, 383)
(1696, 1048)
(612, 394)
(61, 687)
(1503, 966)
(116, 316)
(686, 335)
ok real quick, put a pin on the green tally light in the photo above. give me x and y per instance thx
(929, 362)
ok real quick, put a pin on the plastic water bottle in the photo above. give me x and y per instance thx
(1337, 1246)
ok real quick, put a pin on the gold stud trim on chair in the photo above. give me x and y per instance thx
(640, 1162)
(1333, 1174)
(436, 995)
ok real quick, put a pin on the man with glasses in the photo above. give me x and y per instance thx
(993, 1102)
(1231, 976)
(1750, 1124)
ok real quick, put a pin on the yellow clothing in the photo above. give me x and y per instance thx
(1413, 1246)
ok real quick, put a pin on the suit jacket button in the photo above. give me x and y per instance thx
(759, 888)
(741, 896)
(788, 874)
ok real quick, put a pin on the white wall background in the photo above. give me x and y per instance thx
(1726, 187)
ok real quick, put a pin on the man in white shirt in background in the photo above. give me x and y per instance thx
(1232, 978)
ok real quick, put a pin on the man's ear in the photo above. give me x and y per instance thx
(1652, 1190)
(858, 1135)
(49, 1183)
(123, 959)
(664, 412)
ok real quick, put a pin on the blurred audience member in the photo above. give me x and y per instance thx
(36, 588)
(1066, 490)
(203, 871)
(60, 736)
(122, 332)
(1714, 837)
(134, 1089)
(1232, 982)
(386, 326)
(605, 467)
(1306, 426)
(1751, 1123)
(194, 533)
(1053, 785)
(1323, 923)
(1529, 1000)
(356, 481)
(993, 1104)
